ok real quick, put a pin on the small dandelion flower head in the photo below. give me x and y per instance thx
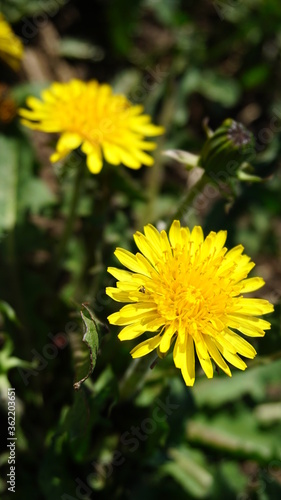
(11, 47)
(187, 291)
(90, 116)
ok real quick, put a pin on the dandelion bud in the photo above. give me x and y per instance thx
(226, 149)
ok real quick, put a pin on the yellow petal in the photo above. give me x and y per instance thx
(146, 347)
(203, 356)
(184, 357)
(219, 240)
(130, 260)
(94, 160)
(119, 274)
(175, 234)
(234, 359)
(154, 237)
(111, 153)
(251, 326)
(131, 332)
(214, 352)
(188, 366)
(197, 236)
(118, 295)
(165, 244)
(68, 141)
(147, 250)
(251, 284)
(142, 317)
(142, 157)
(131, 311)
(241, 345)
(166, 339)
(129, 160)
(252, 306)
(58, 156)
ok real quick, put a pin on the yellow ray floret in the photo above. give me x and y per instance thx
(11, 47)
(90, 116)
(187, 291)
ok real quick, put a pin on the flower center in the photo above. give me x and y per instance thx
(189, 299)
(95, 122)
(181, 301)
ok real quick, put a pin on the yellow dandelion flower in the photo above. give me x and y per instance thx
(87, 114)
(11, 47)
(188, 290)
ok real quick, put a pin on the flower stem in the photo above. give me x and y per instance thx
(76, 188)
(136, 376)
(187, 201)
(155, 174)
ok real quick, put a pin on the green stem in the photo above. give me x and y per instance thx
(155, 174)
(68, 228)
(187, 201)
(136, 376)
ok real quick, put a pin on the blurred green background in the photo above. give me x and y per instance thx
(184, 61)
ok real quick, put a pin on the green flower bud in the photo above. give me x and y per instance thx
(226, 150)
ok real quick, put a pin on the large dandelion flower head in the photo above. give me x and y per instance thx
(187, 291)
(11, 47)
(87, 114)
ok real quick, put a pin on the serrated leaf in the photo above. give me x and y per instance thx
(94, 331)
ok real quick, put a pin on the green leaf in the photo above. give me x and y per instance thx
(212, 85)
(233, 477)
(74, 48)
(223, 390)
(238, 435)
(35, 196)
(8, 311)
(7, 362)
(268, 413)
(17, 9)
(20, 189)
(87, 410)
(54, 478)
(8, 187)
(86, 362)
(77, 425)
(255, 76)
(187, 469)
